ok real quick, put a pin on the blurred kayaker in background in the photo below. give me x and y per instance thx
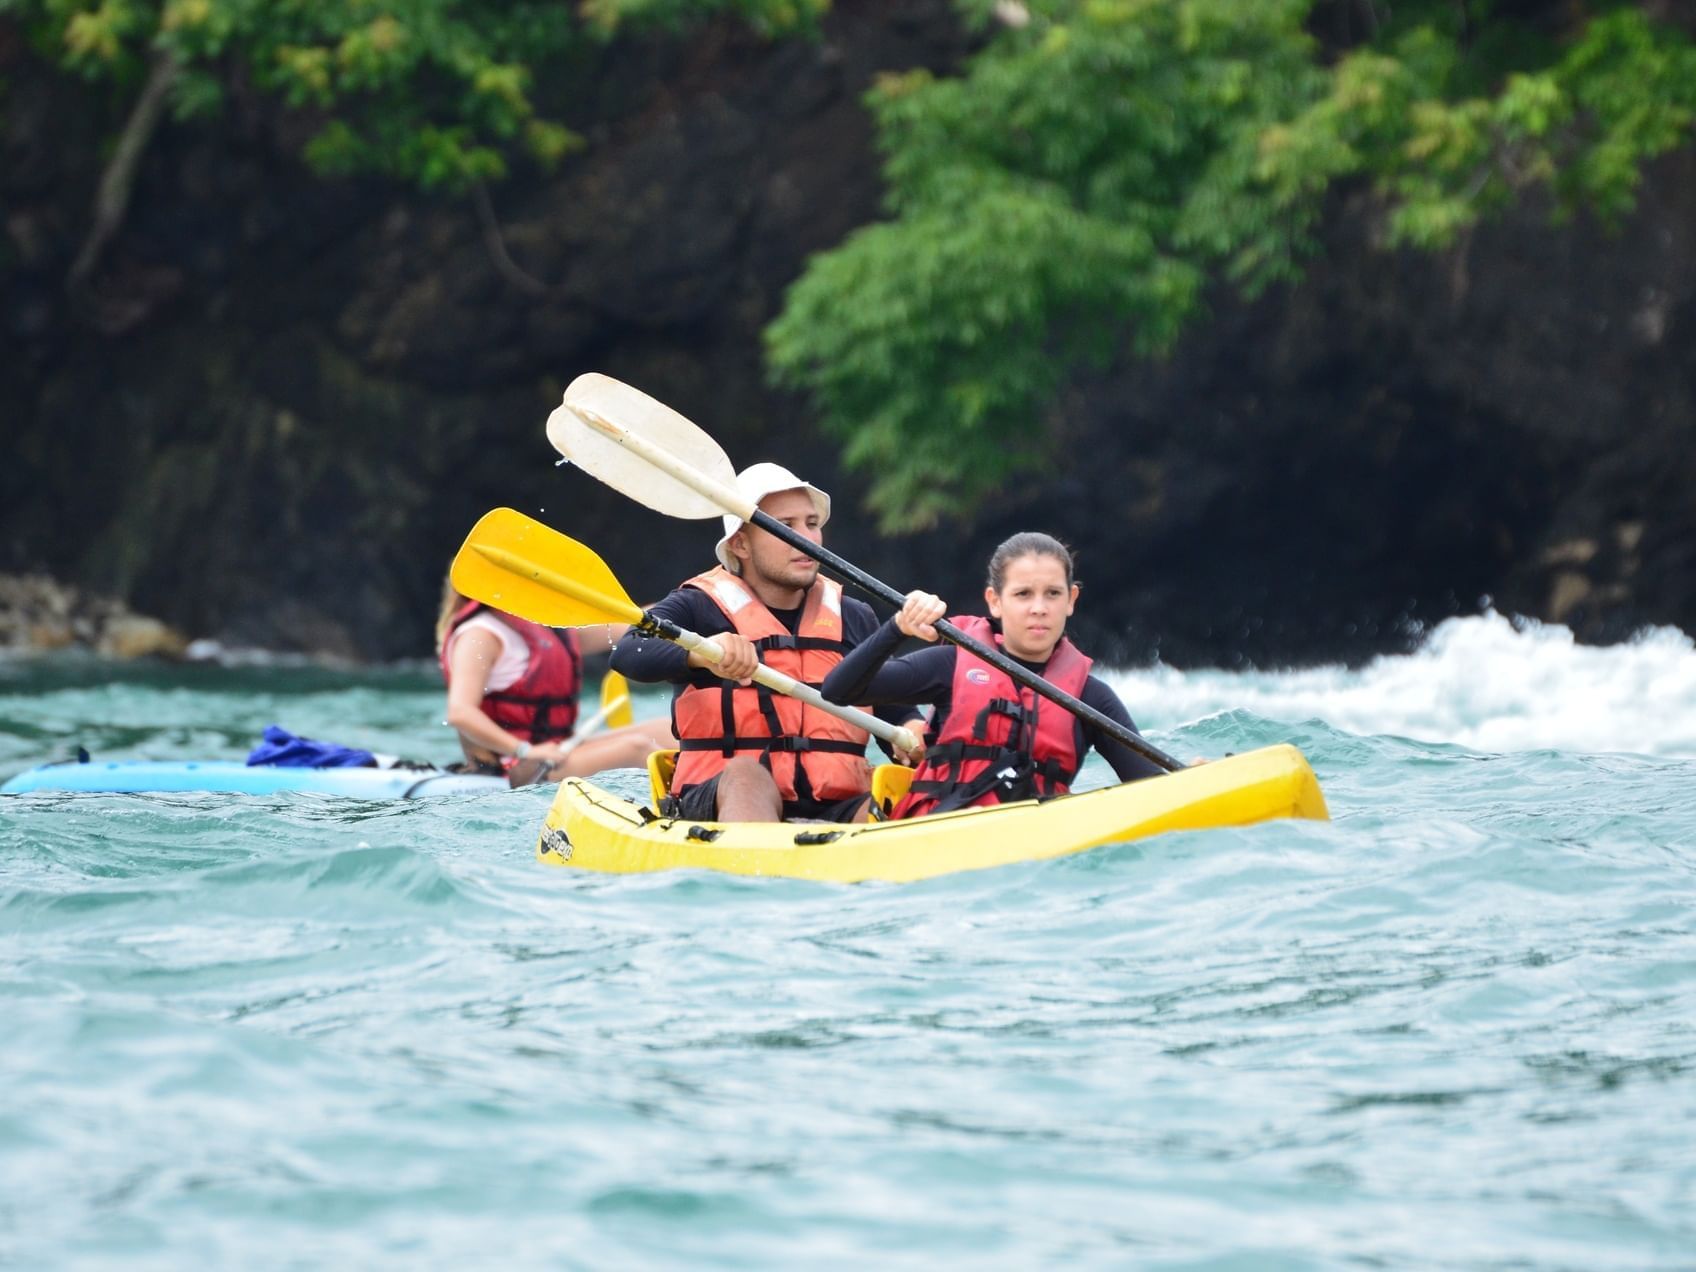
(748, 754)
(991, 741)
(513, 692)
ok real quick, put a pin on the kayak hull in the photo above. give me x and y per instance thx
(590, 829)
(234, 778)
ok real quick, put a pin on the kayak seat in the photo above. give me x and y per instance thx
(889, 785)
(889, 781)
(661, 764)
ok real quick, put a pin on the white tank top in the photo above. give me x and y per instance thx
(514, 659)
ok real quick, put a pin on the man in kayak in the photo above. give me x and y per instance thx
(746, 753)
(992, 741)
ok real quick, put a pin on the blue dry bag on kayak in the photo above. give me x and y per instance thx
(285, 750)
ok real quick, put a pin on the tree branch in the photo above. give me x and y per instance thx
(117, 182)
(495, 244)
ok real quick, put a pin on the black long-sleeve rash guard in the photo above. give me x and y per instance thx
(869, 674)
(652, 660)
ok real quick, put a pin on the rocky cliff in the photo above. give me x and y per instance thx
(287, 399)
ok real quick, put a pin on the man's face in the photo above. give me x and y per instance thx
(765, 556)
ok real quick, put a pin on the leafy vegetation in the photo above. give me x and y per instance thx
(435, 92)
(1066, 201)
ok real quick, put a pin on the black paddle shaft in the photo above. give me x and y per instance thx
(851, 573)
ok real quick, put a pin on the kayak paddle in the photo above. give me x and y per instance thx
(517, 564)
(615, 700)
(614, 713)
(644, 449)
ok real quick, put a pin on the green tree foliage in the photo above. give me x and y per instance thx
(1066, 200)
(439, 93)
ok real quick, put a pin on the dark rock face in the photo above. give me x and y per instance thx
(291, 398)
(1405, 438)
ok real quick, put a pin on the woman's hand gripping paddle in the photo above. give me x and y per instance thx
(517, 564)
(644, 449)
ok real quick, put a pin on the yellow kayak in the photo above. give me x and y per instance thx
(591, 829)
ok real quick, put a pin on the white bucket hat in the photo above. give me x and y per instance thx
(755, 482)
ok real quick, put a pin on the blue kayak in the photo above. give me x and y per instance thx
(235, 778)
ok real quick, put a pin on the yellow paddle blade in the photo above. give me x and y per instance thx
(615, 693)
(517, 564)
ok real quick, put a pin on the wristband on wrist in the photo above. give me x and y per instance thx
(521, 751)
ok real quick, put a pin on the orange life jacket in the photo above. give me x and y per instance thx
(1000, 742)
(541, 705)
(810, 752)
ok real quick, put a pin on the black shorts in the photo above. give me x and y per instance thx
(700, 803)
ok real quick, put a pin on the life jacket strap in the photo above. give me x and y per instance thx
(839, 746)
(949, 755)
(728, 745)
(790, 641)
(1015, 775)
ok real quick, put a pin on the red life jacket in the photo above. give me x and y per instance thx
(810, 753)
(541, 705)
(1000, 742)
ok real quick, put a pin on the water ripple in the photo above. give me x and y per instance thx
(1455, 1028)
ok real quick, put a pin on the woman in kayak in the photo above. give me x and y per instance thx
(990, 740)
(513, 689)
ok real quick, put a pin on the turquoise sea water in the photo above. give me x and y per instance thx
(1454, 1028)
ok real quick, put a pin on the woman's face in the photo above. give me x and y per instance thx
(1033, 605)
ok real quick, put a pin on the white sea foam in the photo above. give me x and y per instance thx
(1487, 683)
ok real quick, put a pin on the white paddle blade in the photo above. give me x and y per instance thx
(603, 420)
